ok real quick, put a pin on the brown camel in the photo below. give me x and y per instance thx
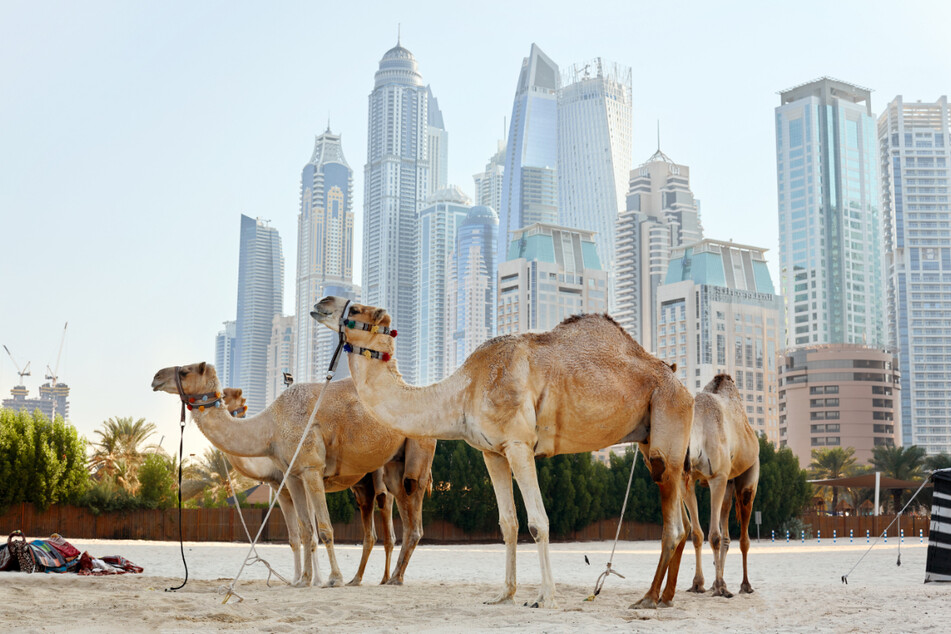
(580, 387)
(347, 445)
(724, 454)
(406, 479)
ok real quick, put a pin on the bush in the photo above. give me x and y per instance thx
(157, 488)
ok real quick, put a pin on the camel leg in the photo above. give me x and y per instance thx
(745, 494)
(411, 512)
(318, 498)
(673, 568)
(385, 502)
(307, 530)
(501, 476)
(522, 459)
(293, 529)
(668, 478)
(696, 534)
(365, 503)
(722, 546)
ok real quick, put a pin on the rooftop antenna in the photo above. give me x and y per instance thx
(398, 29)
(658, 135)
(328, 121)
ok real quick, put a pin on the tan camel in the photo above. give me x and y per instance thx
(580, 387)
(348, 444)
(724, 454)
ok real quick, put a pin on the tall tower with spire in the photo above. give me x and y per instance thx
(406, 163)
(324, 251)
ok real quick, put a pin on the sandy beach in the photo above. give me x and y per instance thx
(798, 589)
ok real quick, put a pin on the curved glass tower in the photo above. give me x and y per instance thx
(473, 301)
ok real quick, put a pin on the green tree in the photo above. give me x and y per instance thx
(901, 463)
(783, 491)
(121, 450)
(209, 479)
(937, 461)
(462, 491)
(157, 486)
(830, 464)
(41, 462)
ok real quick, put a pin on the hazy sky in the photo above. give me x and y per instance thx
(133, 135)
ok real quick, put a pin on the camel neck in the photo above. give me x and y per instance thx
(237, 436)
(433, 411)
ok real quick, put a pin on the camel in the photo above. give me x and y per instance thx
(350, 444)
(405, 479)
(582, 386)
(724, 454)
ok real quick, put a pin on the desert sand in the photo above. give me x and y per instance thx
(798, 588)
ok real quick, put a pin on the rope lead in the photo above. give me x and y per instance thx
(609, 570)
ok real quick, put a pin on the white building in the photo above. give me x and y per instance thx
(472, 313)
(280, 356)
(552, 273)
(915, 142)
(594, 153)
(718, 313)
(439, 222)
(661, 213)
(224, 354)
(488, 183)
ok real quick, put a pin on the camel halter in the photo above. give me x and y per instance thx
(353, 324)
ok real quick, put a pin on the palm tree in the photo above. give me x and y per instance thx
(937, 461)
(121, 450)
(210, 476)
(901, 463)
(831, 464)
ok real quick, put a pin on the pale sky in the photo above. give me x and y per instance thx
(133, 135)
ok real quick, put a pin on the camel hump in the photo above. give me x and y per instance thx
(720, 383)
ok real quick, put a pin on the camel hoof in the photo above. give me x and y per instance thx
(541, 602)
(393, 581)
(666, 603)
(697, 587)
(746, 588)
(334, 582)
(723, 592)
(502, 599)
(646, 603)
(355, 581)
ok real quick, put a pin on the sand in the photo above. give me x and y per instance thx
(798, 588)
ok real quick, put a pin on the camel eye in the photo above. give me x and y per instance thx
(354, 311)
(182, 374)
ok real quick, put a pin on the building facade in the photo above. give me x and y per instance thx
(552, 272)
(838, 395)
(916, 177)
(473, 292)
(439, 223)
(280, 355)
(324, 251)
(400, 174)
(530, 178)
(224, 353)
(488, 184)
(660, 213)
(260, 298)
(830, 237)
(53, 400)
(718, 313)
(594, 153)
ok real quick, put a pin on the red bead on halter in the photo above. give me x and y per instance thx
(385, 356)
(392, 333)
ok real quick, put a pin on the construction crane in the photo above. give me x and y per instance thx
(25, 371)
(53, 375)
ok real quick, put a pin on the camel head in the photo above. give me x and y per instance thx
(366, 327)
(236, 404)
(721, 383)
(197, 378)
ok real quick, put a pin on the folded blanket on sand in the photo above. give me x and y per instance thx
(58, 555)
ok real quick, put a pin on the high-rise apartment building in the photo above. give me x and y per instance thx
(830, 236)
(551, 273)
(439, 222)
(400, 174)
(488, 184)
(916, 178)
(594, 153)
(530, 179)
(224, 354)
(324, 252)
(472, 295)
(260, 298)
(719, 313)
(661, 213)
(280, 355)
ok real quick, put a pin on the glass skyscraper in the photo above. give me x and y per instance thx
(224, 353)
(530, 180)
(260, 298)
(406, 159)
(472, 313)
(594, 153)
(324, 253)
(916, 176)
(830, 237)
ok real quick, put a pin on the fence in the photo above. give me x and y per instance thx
(224, 525)
(858, 524)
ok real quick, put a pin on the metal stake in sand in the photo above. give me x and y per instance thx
(610, 571)
(330, 375)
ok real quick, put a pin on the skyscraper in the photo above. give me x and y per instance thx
(280, 354)
(594, 153)
(324, 252)
(439, 223)
(530, 181)
(916, 175)
(719, 313)
(830, 238)
(472, 295)
(661, 213)
(488, 184)
(401, 172)
(224, 354)
(260, 298)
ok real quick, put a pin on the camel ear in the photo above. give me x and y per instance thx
(379, 314)
(237, 392)
(201, 368)
(673, 367)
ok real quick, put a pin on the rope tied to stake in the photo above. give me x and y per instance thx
(609, 570)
